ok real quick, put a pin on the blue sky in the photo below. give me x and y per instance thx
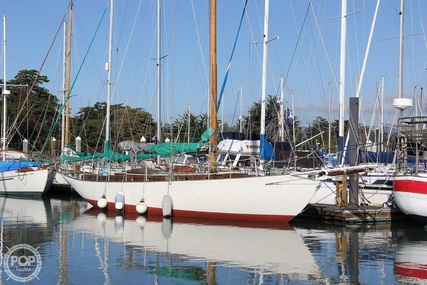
(307, 54)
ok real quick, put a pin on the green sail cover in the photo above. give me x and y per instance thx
(113, 156)
(151, 151)
(174, 148)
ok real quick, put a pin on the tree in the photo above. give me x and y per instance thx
(126, 124)
(31, 110)
(320, 125)
(181, 131)
(253, 120)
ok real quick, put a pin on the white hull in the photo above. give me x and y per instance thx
(60, 181)
(263, 250)
(410, 194)
(30, 182)
(266, 198)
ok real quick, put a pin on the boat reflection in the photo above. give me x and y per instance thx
(262, 249)
(78, 245)
(18, 210)
(354, 254)
(410, 262)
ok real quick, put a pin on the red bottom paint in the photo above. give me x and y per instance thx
(205, 215)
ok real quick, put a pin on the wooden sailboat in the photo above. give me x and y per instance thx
(224, 195)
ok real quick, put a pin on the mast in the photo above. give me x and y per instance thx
(159, 130)
(264, 75)
(108, 68)
(241, 107)
(401, 103)
(64, 80)
(67, 76)
(213, 86)
(382, 147)
(329, 116)
(342, 80)
(401, 34)
(282, 111)
(189, 123)
(5, 92)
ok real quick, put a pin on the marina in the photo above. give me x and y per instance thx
(267, 198)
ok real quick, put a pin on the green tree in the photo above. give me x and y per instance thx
(253, 120)
(31, 110)
(131, 124)
(182, 131)
(126, 123)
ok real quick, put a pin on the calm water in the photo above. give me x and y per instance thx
(59, 241)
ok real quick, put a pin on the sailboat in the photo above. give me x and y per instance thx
(18, 173)
(410, 182)
(374, 182)
(220, 195)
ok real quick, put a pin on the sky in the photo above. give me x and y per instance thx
(303, 48)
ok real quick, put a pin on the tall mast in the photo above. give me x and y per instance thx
(67, 76)
(342, 78)
(159, 123)
(159, 101)
(264, 78)
(401, 103)
(213, 86)
(108, 67)
(64, 80)
(401, 35)
(5, 92)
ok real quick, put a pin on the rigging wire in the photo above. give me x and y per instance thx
(13, 125)
(75, 79)
(231, 57)
(298, 39)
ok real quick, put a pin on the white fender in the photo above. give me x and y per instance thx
(119, 224)
(141, 207)
(119, 201)
(102, 202)
(167, 206)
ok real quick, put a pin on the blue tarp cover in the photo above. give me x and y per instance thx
(15, 165)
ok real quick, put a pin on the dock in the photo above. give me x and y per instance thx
(352, 214)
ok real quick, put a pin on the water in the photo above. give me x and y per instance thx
(60, 241)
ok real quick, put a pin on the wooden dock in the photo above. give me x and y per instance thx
(360, 214)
